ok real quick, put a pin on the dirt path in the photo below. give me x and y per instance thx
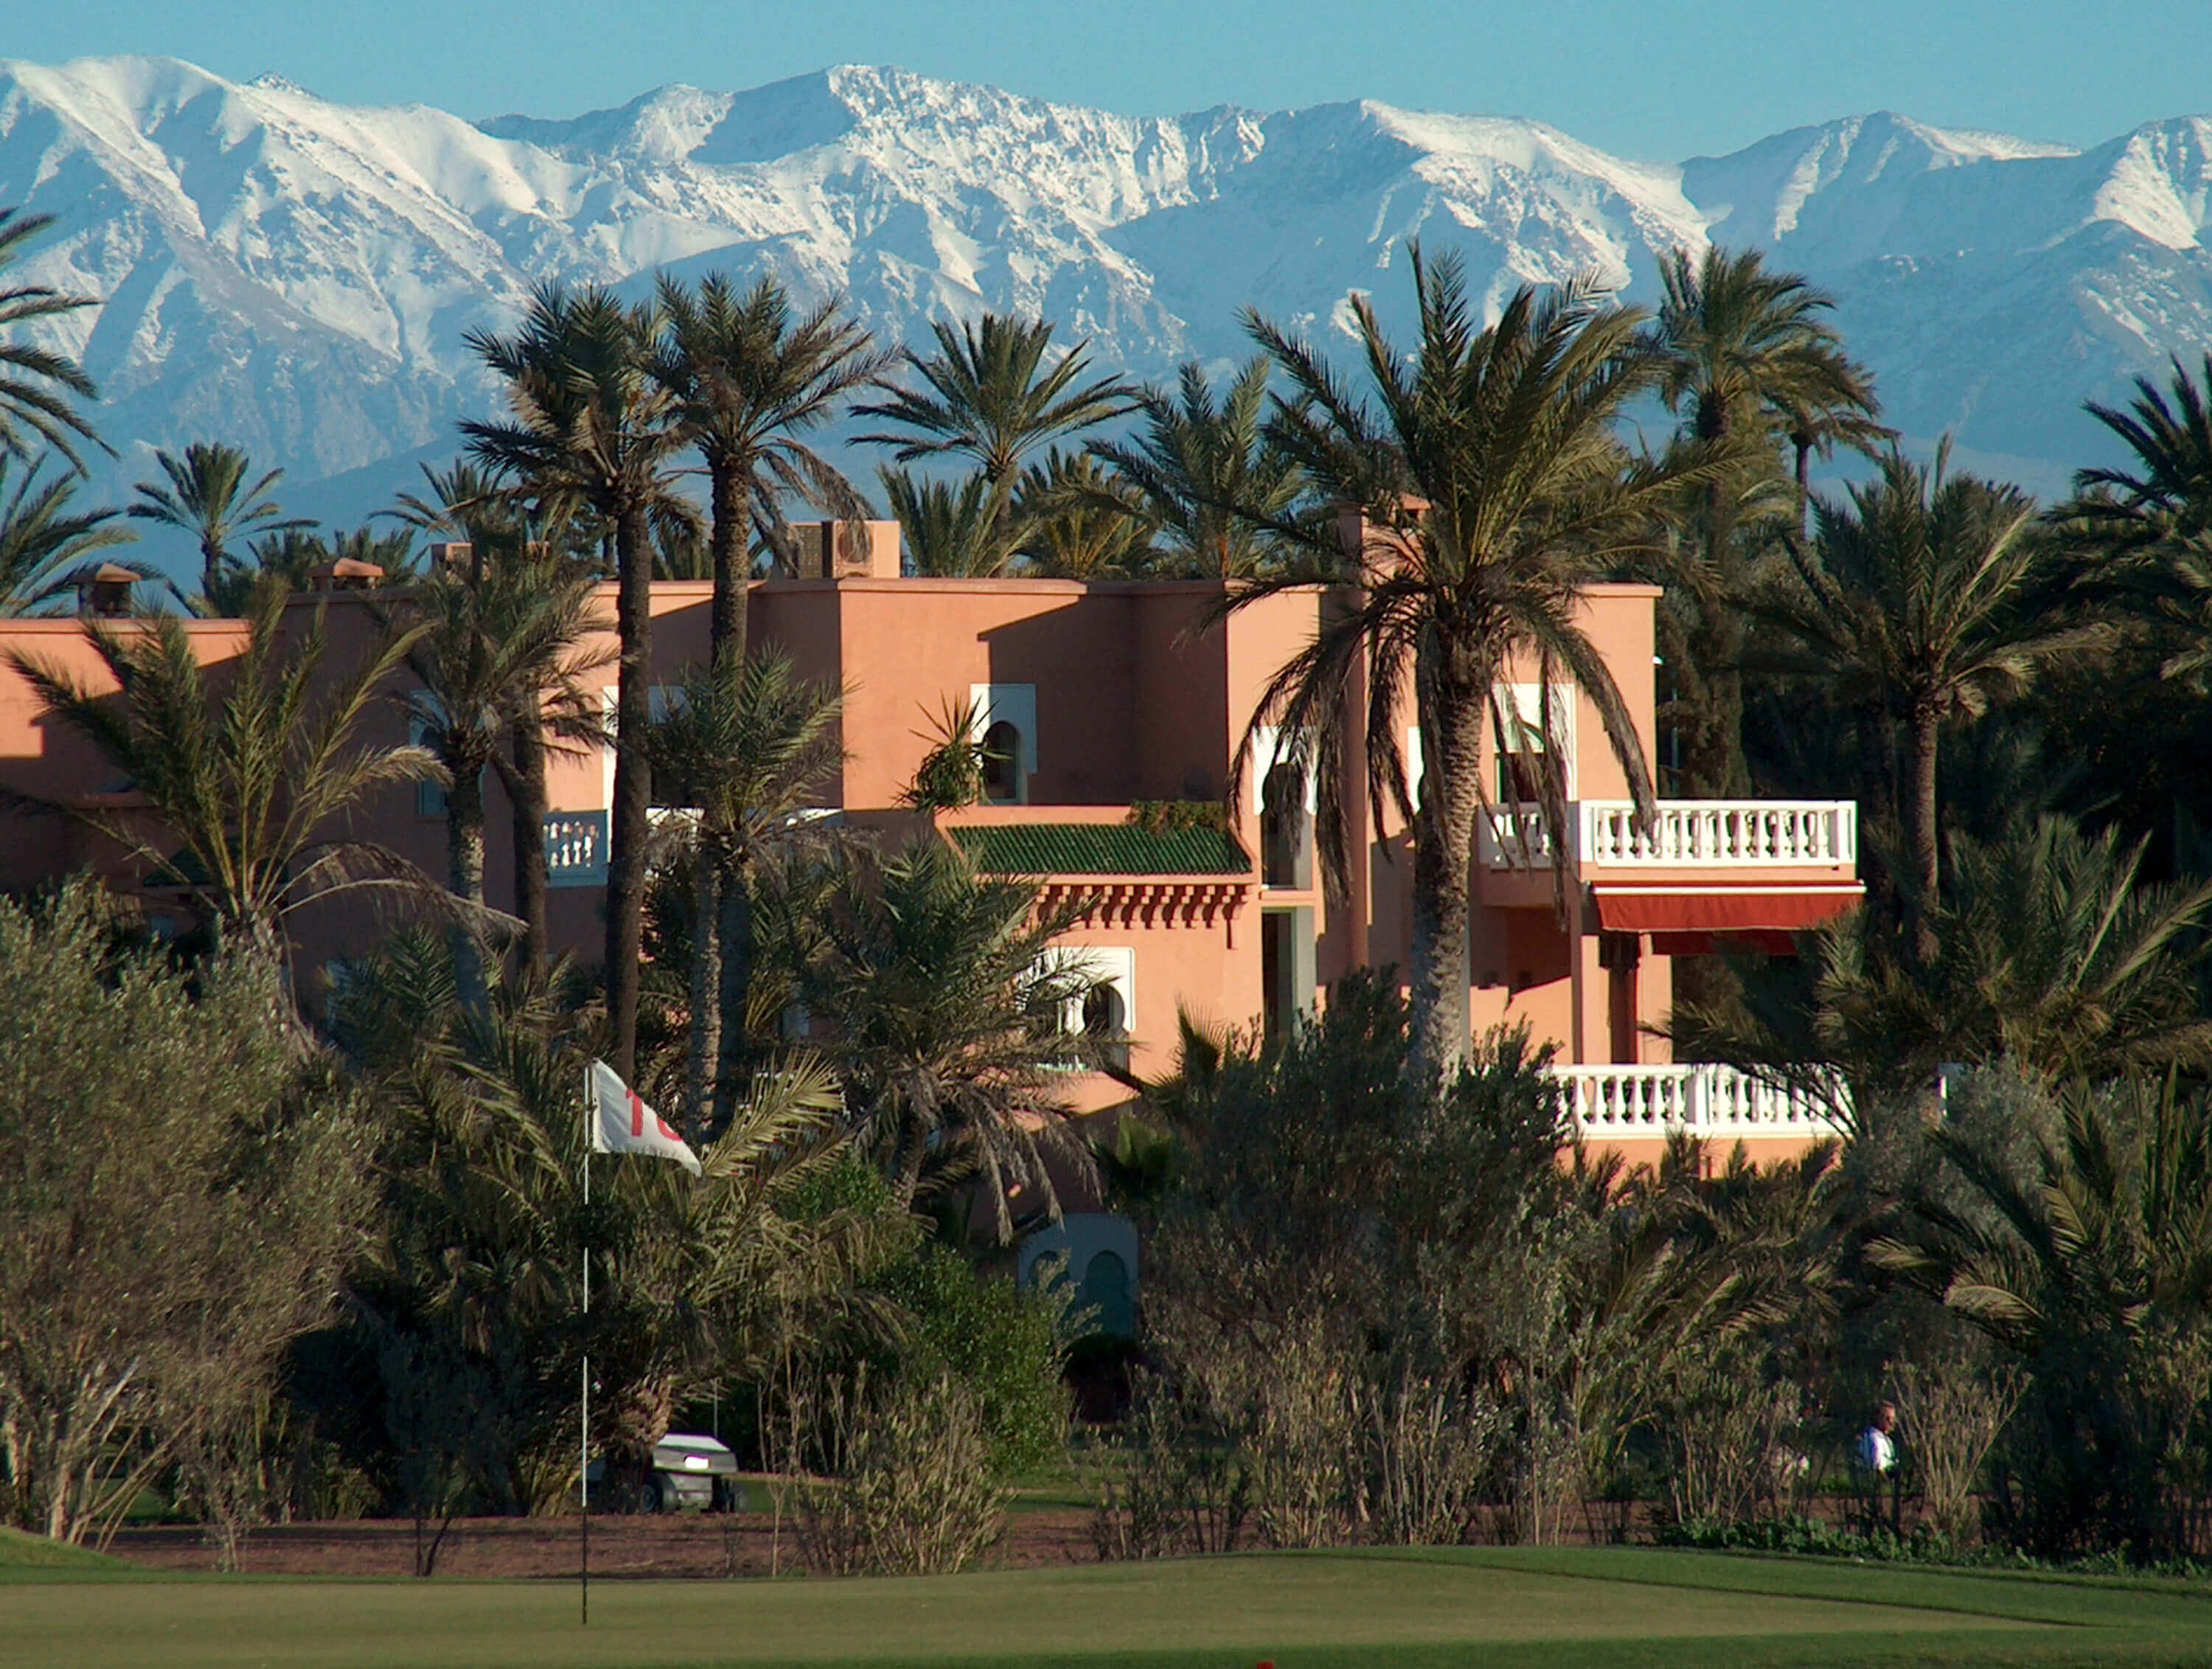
(682, 1544)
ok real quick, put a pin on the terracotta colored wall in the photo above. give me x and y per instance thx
(1138, 697)
(45, 761)
(907, 647)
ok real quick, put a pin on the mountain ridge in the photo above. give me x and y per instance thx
(299, 275)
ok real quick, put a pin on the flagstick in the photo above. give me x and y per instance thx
(584, 1421)
(667, 1145)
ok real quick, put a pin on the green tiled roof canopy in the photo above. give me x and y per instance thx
(1099, 848)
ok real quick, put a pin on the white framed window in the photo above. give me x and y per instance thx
(1005, 725)
(1270, 749)
(1285, 794)
(660, 699)
(1519, 769)
(1107, 1013)
(430, 797)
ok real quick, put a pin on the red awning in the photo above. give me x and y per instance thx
(1766, 942)
(1722, 910)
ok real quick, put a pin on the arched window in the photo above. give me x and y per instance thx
(1285, 829)
(1002, 764)
(1106, 1023)
(1104, 1297)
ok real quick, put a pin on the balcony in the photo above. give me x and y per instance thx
(576, 849)
(1684, 834)
(1713, 1103)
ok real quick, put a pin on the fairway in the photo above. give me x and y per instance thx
(1421, 1606)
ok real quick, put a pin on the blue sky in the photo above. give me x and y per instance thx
(1658, 80)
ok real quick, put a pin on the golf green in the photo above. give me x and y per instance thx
(1300, 1611)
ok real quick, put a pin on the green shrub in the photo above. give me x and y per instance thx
(1002, 1345)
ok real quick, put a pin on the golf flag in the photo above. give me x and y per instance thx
(623, 1123)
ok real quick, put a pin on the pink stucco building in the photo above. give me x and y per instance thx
(1111, 701)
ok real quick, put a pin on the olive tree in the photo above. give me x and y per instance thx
(179, 1192)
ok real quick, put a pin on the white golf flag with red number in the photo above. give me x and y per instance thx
(623, 1123)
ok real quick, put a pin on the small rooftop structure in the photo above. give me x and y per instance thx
(346, 573)
(105, 591)
(847, 550)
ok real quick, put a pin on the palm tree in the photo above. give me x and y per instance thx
(945, 1000)
(559, 714)
(478, 1260)
(948, 533)
(37, 385)
(463, 502)
(1493, 489)
(1745, 346)
(285, 562)
(1077, 522)
(752, 745)
(480, 652)
(282, 563)
(2164, 495)
(251, 771)
(2072, 962)
(513, 536)
(954, 771)
(749, 381)
(506, 532)
(1815, 426)
(1925, 597)
(2153, 517)
(2079, 1235)
(2054, 953)
(44, 540)
(1202, 459)
(1748, 354)
(209, 497)
(988, 397)
(591, 426)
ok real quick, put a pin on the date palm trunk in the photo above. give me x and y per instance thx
(1443, 840)
(464, 872)
(525, 780)
(1926, 734)
(728, 542)
(626, 846)
(734, 938)
(706, 978)
(1712, 752)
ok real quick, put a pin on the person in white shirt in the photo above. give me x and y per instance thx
(1878, 1442)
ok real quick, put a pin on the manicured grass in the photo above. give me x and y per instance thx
(1421, 1609)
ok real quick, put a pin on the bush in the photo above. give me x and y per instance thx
(1171, 1481)
(1002, 1345)
(180, 1182)
(907, 1488)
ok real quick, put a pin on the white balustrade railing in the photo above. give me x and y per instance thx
(576, 849)
(1515, 837)
(1689, 834)
(1717, 1103)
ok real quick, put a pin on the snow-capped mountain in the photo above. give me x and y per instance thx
(298, 276)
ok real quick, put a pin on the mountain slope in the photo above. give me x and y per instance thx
(299, 275)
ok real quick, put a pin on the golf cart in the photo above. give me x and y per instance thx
(691, 1471)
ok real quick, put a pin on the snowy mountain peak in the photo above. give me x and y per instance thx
(298, 276)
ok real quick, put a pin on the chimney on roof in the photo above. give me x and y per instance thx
(105, 592)
(1364, 540)
(346, 573)
(847, 550)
